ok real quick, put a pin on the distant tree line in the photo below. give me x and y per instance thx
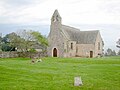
(118, 45)
(110, 52)
(23, 40)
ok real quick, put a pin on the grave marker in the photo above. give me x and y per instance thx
(77, 81)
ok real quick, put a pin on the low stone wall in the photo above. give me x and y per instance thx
(8, 54)
(32, 54)
(22, 54)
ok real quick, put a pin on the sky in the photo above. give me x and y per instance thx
(103, 15)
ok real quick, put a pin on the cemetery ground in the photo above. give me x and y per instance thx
(58, 73)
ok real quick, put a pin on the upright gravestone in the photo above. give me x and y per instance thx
(77, 81)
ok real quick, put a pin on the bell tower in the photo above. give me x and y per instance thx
(56, 25)
(56, 18)
(54, 36)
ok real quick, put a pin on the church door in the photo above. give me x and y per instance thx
(91, 54)
(54, 52)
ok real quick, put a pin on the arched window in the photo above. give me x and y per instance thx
(71, 45)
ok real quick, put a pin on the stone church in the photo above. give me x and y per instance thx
(66, 41)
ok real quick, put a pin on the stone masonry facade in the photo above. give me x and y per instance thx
(66, 41)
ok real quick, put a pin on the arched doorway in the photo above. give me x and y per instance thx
(91, 54)
(54, 52)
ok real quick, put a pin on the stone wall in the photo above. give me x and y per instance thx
(8, 54)
(72, 51)
(55, 40)
(83, 50)
(21, 54)
(99, 51)
(32, 54)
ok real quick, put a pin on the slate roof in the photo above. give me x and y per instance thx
(81, 37)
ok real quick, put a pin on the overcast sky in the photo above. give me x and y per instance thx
(103, 15)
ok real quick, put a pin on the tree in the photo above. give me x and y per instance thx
(118, 43)
(5, 46)
(32, 38)
(16, 41)
(119, 52)
(113, 53)
(26, 40)
(110, 52)
(0, 42)
(40, 39)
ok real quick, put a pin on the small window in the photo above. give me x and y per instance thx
(98, 45)
(76, 49)
(71, 45)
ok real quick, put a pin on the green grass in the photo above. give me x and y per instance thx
(59, 73)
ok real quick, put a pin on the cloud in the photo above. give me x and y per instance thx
(93, 12)
(72, 11)
(14, 11)
(16, 4)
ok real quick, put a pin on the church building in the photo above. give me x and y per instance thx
(66, 41)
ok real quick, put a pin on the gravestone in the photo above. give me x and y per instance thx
(77, 81)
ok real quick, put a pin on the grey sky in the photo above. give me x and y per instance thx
(103, 15)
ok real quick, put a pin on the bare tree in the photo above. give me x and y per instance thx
(31, 38)
(27, 39)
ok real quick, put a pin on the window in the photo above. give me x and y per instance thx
(71, 45)
(98, 45)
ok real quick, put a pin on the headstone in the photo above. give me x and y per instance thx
(77, 81)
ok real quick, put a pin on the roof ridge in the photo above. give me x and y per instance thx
(71, 27)
(91, 31)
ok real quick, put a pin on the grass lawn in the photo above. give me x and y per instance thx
(59, 73)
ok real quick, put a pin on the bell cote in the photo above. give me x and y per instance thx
(56, 17)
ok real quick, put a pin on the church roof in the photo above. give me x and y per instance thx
(70, 32)
(82, 37)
